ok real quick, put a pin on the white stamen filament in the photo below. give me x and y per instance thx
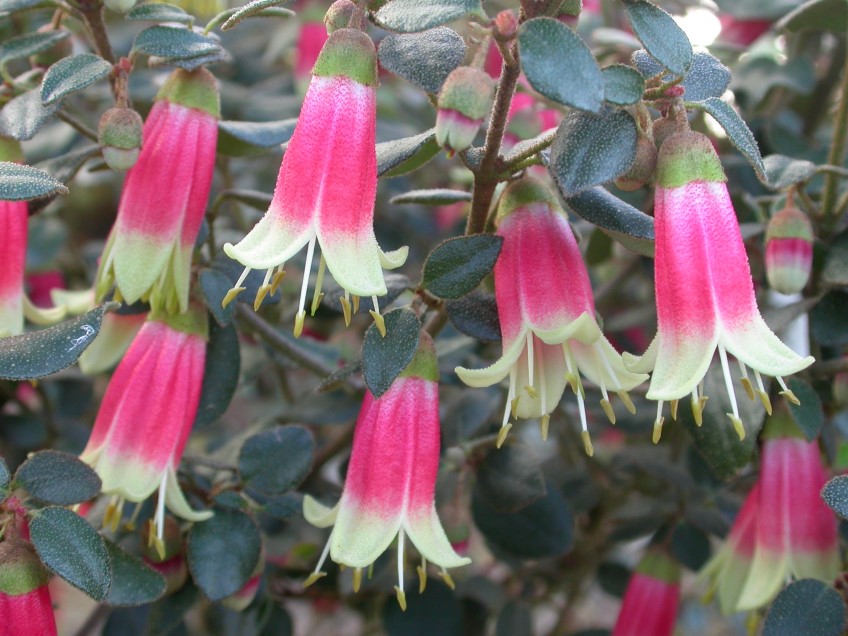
(782, 383)
(160, 507)
(242, 277)
(509, 396)
(659, 410)
(728, 380)
(376, 304)
(324, 553)
(759, 379)
(401, 537)
(268, 273)
(530, 358)
(307, 268)
(543, 389)
(616, 384)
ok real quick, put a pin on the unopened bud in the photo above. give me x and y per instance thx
(338, 15)
(641, 171)
(507, 25)
(789, 251)
(465, 99)
(119, 135)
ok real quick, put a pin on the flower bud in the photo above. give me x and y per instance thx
(507, 24)
(465, 99)
(119, 135)
(24, 598)
(239, 601)
(641, 171)
(172, 566)
(338, 15)
(789, 251)
(569, 11)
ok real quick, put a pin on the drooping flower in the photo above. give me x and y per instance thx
(464, 101)
(704, 292)
(149, 250)
(391, 479)
(327, 185)
(652, 598)
(547, 315)
(789, 250)
(147, 414)
(783, 530)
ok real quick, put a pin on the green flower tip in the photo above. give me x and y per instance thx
(686, 157)
(121, 128)
(424, 363)
(193, 321)
(468, 91)
(21, 571)
(338, 15)
(790, 223)
(523, 192)
(658, 564)
(780, 425)
(570, 8)
(348, 53)
(10, 150)
(193, 89)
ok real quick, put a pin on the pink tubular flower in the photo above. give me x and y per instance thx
(789, 250)
(547, 315)
(705, 296)
(13, 235)
(783, 530)
(25, 604)
(391, 479)
(327, 185)
(147, 414)
(652, 598)
(148, 254)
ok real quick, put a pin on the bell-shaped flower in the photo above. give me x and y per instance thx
(391, 479)
(704, 292)
(547, 315)
(783, 530)
(652, 597)
(146, 416)
(789, 250)
(327, 185)
(149, 250)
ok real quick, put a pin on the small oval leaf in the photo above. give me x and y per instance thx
(631, 227)
(835, 495)
(436, 196)
(783, 172)
(410, 16)
(423, 59)
(72, 74)
(456, 266)
(23, 183)
(276, 461)
(159, 12)
(400, 156)
(251, 9)
(239, 138)
(29, 44)
(809, 415)
(384, 357)
(220, 378)
(58, 478)
(806, 607)
(25, 115)
(133, 582)
(707, 77)
(623, 84)
(660, 34)
(174, 43)
(737, 131)
(510, 478)
(476, 315)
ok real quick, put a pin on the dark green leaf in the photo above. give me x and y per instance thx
(70, 547)
(400, 156)
(279, 622)
(542, 529)
(38, 353)
(285, 507)
(456, 266)
(510, 478)
(806, 607)
(599, 248)
(64, 167)
(409, 16)
(783, 172)
(133, 582)
(660, 34)
(737, 131)
(5, 479)
(835, 495)
(384, 357)
(220, 378)
(276, 461)
(58, 478)
(25, 115)
(29, 44)
(515, 619)
(10, 6)
(159, 12)
(466, 413)
(396, 284)
(72, 74)
(622, 84)
(755, 76)
(559, 65)
(436, 196)
(223, 552)
(707, 77)
(613, 578)
(435, 612)
(809, 416)
(21, 183)
(190, 63)
(174, 43)
(423, 59)
(241, 138)
(835, 272)
(214, 285)
(249, 10)
(592, 149)
(817, 15)
(476, 315)
(690, 546)
(167, 613)
(829, 319)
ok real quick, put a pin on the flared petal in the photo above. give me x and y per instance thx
(176, 502)
(644, 363)
(602, 364)
(318, 514)
(583, 329)
(756, 345)
(496, 372)
(395, 258)
(427, 534)
(548, 382)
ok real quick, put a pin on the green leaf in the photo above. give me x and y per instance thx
(423, 59)
(64, 167)
(806, 607)
(476, 315)
(515, 619)
(70, 547)
(690, 546)
(400, 156)
(829, 319)
(707, 77)
(436, 611)
(592, 149)
(72, 74)
(809, 415)
(133, 582)
(783, 172)
(384, 357)
(39, 353)
(25, 115)
(241, 138)
(559, 65)
(835, 270)
(190, 63)
(737, 131)
(21, 183)
(221, 375)
(510, 478)
(409, 16)
(167, 614)
(250, 10)
(613, 578)
(436, 196)
(174, 43)
(57, 478)
(835, 495)
(817, 15)
(276, 461)
(10, 6)
(396, 284)
(456, 266)
(660, 34)
(29, 44)
(5, 479)
(623, 84)
(285, 507)
(223, 552)
(214, 285)
(159, 12)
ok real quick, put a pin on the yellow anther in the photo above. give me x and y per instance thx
(316, 302)
(674, 405)
(129, 526)
(502, 434)
(371, 571)
(447, 579)
(657, 433)
(533, 393)
(260, 296)
(298, 323)
(789, 395)
(513, 406)
(628, 403)
(544, 423)
(346, 310)
(160, 547)
(422, 579)
(342, 567)
(117, 297)
(572, 381)
(357, 579)
(401, 597)
(749, 388)
(587, 444)
(312, 578)
(231, 295)
(766, 400)
(607, 407)
(276, 281)
(697, 412)
(737, 424)
(355, 303)
(379, 321)
(151, 533)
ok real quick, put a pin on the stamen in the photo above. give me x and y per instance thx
(160, 507)
(543, 399)
(587, 441)
(530, 369)
(317, 573)
(697, 411)
(356, 304)
(447, 579)
(628, 403)
(544, 423)
(237, 288)
(761, 393)
(317, 295)
(746, 382)
(345, 301)
(277, 279)
(130, 524)
(658, 424)
(401, 597)
(787, 392)
(422, 575)
(114, 512)
(502, 434)
(505, 425)
(728, 381)
(674, 404)
(357, 579)
(378, 319)
(605, 402)
(572, 378)
(307, 268)
(262, 291)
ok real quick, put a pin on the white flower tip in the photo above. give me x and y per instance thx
(394, 259)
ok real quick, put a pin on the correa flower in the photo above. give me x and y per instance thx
(704, 292)
(789, 250)
(391, 479)
(783, 529)
(146, 417)
(652, 597)
(464, 101)
(326, 186)
(550, 335)
(149, 250)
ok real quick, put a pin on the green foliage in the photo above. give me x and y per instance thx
(72, 74)
(384, 357)
(275, 461)
(423, 59)
(133, 582)
(510, 478)
(22, 183)
(456, 266)
(806, 607)
(57, 478)
(663, 39)
(409, 16)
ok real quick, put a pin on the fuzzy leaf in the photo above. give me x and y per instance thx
(174, 43)
(25, 115)
(72, 74)
(835, 495)
(400, 156)
(783, 172)
(660, 34)
(707, 77)
(57, 478)
(384, 357)
(25, 45)
(251, 9)
(809, 415)
(737, 131)
(276, 461)
(806, 607)
(437, 196)
(623, 84)
(456, 266)
(423, 59)
(631, 227)
(476, 315)
(159, 12)
(22, 183)
(133, 582)
(410, 16)
(221, 375)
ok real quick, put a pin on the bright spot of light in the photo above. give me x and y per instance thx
(702, 26)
